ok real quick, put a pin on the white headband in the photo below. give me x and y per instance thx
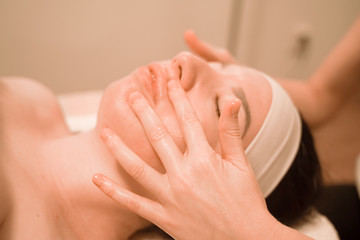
(274, 147)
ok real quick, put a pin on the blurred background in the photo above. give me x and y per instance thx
(83, 45)
(86, 44)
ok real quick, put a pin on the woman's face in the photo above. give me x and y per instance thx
(208, 87)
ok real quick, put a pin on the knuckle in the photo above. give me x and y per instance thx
(157, 134)
(132, 204)
(189, 117)
(137, 172)
(111, 192)
(204, 162)
(232, 132)
(201, 165)
(230, 157)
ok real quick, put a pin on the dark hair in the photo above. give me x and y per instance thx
(293, 198)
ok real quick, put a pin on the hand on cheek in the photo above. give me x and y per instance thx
(202, 195)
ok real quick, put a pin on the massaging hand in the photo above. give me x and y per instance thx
(203, 194)
(207, 51)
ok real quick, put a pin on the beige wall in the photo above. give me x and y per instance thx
(269, 32)
(85, 44)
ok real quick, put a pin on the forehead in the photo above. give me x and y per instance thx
(251, 81)
(242, 72)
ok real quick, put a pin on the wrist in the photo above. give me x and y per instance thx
(290, 233)
(267, 227)
(261, 226)
(279, 231)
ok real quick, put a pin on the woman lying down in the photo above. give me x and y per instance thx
(46, 171)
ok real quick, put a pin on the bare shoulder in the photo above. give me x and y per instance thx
(5, 197)
(26, 88)
(28, 111)
(28, 103)
(5, 200)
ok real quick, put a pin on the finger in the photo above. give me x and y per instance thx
(142, 206)
(192, 129)
(199, 47)
(157, 133)
(230, 132)
(133, 165)
(206, 50)
(160, 78)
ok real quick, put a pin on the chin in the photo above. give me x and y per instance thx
(116, 114)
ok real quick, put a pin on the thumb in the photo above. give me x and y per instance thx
(201, 48)
(231, 128)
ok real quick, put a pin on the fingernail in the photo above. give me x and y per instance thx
(98, 179)
(172, 84)
(134, 96)
(235, 107)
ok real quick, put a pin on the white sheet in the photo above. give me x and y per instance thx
(319, 227)
(80, 109)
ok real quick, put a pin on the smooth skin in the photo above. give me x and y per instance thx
(328, 88)
(227, 206)
(328, 101)
(231, 195)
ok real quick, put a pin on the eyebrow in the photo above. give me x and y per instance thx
(239, 92)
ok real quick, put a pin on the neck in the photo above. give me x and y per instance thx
(86, 212)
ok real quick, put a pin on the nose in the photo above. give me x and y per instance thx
(191, 69)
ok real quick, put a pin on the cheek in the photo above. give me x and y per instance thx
(174, 129)
(209, 123)
(118, 116)
(212, 134)
(204, 107)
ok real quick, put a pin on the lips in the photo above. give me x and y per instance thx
(152, 80)
(154, 77)
(159, 79)
(145, 79)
